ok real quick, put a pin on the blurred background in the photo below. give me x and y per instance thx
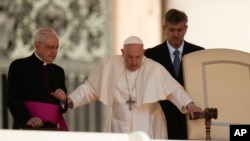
(91, 30)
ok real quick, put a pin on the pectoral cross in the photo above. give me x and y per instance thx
(130, 102)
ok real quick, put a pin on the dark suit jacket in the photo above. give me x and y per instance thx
(26, 82)
(160, 54)
(176, 121)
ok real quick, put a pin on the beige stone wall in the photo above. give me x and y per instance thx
(217, 23)
(212, 23)
(136, 17)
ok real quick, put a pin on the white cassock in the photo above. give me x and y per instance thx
(153, 83)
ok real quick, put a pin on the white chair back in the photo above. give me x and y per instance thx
(218, 78)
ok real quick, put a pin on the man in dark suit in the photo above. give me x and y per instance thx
(31, 83)
(175, 27)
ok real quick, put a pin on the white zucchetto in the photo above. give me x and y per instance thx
(133, 40)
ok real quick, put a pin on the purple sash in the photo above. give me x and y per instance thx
(47, 112)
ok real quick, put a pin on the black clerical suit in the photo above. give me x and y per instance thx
(176, 121)
(26, 81)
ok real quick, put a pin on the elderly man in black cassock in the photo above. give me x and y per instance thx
(31, 81)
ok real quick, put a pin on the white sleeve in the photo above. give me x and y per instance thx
(180, 98)
(83, 94)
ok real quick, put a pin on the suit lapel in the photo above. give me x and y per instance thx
(167, 59)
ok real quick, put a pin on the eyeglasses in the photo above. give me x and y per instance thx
(57, 48)
(53, 47)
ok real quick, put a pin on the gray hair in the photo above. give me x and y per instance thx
(41, 32)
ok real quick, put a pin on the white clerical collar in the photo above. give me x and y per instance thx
(44, 63)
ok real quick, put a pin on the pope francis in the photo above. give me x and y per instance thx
(131, 86)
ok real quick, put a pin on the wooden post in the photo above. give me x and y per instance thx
(207, 114)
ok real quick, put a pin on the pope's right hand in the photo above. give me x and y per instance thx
(60, 95)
